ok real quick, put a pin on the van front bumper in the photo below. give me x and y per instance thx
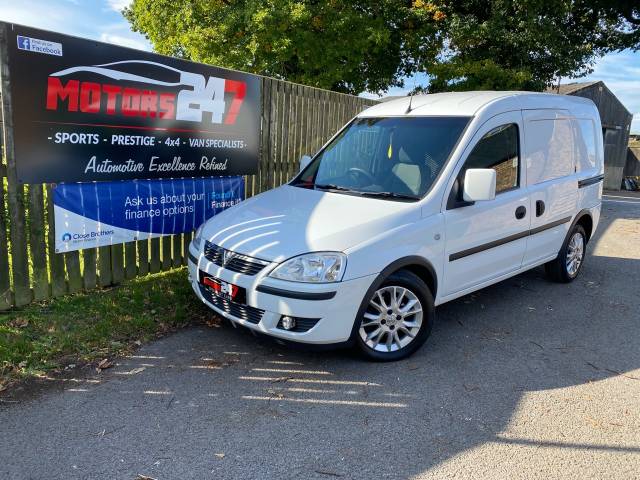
(331, 307)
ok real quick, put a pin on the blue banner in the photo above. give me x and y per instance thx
(95, 214)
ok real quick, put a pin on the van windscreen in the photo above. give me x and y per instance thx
(390, 157)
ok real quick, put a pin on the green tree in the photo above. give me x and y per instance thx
(529, 44)
(340, 45)
(353, 45)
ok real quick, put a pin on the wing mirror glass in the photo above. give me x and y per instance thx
(304, 161)
(479, 184)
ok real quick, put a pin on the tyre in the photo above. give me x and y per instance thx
(396, 319)
(566, 267)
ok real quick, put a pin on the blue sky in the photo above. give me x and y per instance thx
(620, 71)
(101, 20)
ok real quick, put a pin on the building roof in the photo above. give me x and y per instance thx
(568, 88)
(576, 88)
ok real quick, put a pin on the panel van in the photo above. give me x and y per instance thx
(413, 203)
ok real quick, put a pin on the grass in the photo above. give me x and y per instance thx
(87, 327)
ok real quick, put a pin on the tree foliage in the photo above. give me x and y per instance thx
(340, 45)
(527, 44)
(353, 46)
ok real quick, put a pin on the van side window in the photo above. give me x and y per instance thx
(498, 149)
(585, 144)
(550, 149)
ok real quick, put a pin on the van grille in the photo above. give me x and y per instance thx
(235, 262)
(243, 312)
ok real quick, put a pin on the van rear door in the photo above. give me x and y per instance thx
(550, 160)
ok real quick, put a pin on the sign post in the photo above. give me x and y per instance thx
(15, 191)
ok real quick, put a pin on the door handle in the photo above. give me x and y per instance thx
(521, 212)
(539, 207)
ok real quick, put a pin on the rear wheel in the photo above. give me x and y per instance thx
(397, 319)
(567, 265)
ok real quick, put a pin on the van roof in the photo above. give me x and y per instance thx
(470, 103)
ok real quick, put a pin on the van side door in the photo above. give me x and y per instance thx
(550, 160)
(485, 240)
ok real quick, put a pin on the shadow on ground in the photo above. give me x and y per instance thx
(525, 378)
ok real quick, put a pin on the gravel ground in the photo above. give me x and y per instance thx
(525, 379)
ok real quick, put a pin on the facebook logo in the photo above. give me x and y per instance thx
(39, 46)
(24, 43)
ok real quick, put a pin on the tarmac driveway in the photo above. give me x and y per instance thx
(525, 379)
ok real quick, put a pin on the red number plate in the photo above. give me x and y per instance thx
(221, 288)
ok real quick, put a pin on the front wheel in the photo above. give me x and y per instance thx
(567, 265)
(397, 319)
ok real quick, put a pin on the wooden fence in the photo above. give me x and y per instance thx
(296, 120)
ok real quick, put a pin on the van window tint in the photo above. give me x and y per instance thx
(389, 157)
(498, 149)
(585, 144)
(549, 149)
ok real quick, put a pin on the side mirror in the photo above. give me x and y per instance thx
(304, 161)
(479, 184)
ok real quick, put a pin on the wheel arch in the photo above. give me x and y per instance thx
(584, 219)
(419, 266)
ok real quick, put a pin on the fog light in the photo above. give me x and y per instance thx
(288, 323)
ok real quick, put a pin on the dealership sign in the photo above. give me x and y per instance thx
(88, 111)
(105, 213)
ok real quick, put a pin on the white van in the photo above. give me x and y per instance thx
(415, 202)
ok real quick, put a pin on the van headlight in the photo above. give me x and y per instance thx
(197, 238)
(319, 267)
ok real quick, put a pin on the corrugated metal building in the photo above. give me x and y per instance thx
(632, 169)
(616, 123)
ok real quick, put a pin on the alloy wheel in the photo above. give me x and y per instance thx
(392, 319)
(575, 254)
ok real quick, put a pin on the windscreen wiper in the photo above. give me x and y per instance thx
(331, 186)
(401, 196)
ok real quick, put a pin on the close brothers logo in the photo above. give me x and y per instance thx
(67, 237)
(199, 95)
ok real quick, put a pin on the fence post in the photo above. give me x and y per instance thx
(265, 137)
(89, 275)
(104, 261)
(6, 299)
(154, 260)
(273, 136)
(37, 241)
(15, 192)
(56, 260)
(143, 257)
(72, 261)
(130, 260)
(117, 263)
